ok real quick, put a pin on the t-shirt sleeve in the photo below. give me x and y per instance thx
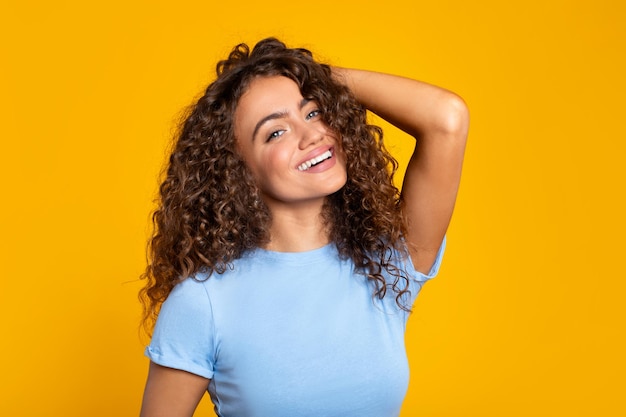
(434, 269)
(183, 336)
(418, 279)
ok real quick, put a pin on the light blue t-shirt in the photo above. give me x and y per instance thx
(290, 334)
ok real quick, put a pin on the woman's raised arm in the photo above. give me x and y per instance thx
(439, 120)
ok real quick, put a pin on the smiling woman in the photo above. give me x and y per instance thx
(284, 261)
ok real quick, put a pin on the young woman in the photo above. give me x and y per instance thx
(284, 262)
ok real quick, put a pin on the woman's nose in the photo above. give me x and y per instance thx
(311, 134)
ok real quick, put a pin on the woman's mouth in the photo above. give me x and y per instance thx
(314, 161)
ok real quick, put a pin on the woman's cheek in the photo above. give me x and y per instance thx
(279, 157)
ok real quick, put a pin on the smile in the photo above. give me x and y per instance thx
(314, 161)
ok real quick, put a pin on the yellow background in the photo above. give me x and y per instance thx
(527, 315)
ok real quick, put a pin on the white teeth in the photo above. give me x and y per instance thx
(314, 161)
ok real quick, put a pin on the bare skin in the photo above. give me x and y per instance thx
(439, 121)
(436, 118)
(171, 392)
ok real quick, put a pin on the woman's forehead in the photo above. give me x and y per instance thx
(266, 96)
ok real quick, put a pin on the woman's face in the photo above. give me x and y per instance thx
(294, 156)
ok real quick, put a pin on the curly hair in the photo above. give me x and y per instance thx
(210, 210)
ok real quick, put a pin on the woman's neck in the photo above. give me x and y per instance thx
(297, 229)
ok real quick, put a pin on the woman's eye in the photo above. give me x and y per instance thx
(275, 134)
(313, 114)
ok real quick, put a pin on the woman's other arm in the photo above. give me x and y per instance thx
(439, 120)
(171, 392)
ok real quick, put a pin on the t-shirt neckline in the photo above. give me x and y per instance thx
(305, 257)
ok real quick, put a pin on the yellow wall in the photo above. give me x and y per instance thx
(527, 316)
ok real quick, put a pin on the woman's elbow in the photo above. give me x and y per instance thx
(455, 117)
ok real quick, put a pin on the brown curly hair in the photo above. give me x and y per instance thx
(210, 210)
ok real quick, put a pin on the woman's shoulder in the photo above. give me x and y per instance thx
(189, 291)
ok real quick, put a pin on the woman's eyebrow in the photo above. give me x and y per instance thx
(273, 116)
(276, 115)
